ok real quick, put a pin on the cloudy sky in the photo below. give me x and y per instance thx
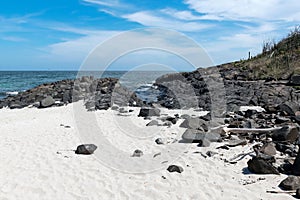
(60, 34)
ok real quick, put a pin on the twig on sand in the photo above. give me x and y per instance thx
(281, 192)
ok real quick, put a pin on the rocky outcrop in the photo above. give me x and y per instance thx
(214, 89)
(98, 94)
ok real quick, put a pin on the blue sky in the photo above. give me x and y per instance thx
(59, 34)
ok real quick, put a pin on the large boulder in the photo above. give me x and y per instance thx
(286, 133)
(194, 123)
(149, 112)
(47, 102)
(289, 108)
(290, 183)
(260, 165)
(86, 149)
(198, 136)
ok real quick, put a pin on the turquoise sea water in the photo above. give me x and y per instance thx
(13, 82)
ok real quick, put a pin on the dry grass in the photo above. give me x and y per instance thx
(277, 61)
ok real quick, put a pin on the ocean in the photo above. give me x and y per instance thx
(13, 82)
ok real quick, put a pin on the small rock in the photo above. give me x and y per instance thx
(114, 107)
(175, 168)
(122, 110)
(268, 149)
(152, 123)
(16, 106)
(146, 112)
(250, 113)
(169, 124)
(137, 153)
(47, 102)
(36, 104)
(295, 80)
(86, 149)
(159, 141)
(290, 183)
(173, 120)
(206, 117)
(185, 116)
(211, 153)
(204, 143)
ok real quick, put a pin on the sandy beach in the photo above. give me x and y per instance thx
(38, 161)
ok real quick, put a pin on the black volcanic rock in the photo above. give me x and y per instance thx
(175, 168)
(290, 183)
(86, 149)
(202, 86)
(260, 165)
(149, 112)
(97, 94)
(47, 102)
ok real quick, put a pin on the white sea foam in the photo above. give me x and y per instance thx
(12, 93)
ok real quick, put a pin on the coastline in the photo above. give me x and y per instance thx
(35, 165)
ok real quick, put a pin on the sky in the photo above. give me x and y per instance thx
(61, 34)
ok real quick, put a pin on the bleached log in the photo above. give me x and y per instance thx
(282, 192)
(250, 130)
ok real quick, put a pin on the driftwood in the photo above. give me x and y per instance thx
(250, 130)
(282, 192)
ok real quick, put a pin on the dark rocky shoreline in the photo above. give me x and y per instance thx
(98, 94)
(238, 91)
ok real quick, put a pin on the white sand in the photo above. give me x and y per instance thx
(36, 161)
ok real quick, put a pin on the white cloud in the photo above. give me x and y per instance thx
(74, 51)
(110, 3)
(148, 18)
(246, 10)
(114, 4)
(187, 15)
